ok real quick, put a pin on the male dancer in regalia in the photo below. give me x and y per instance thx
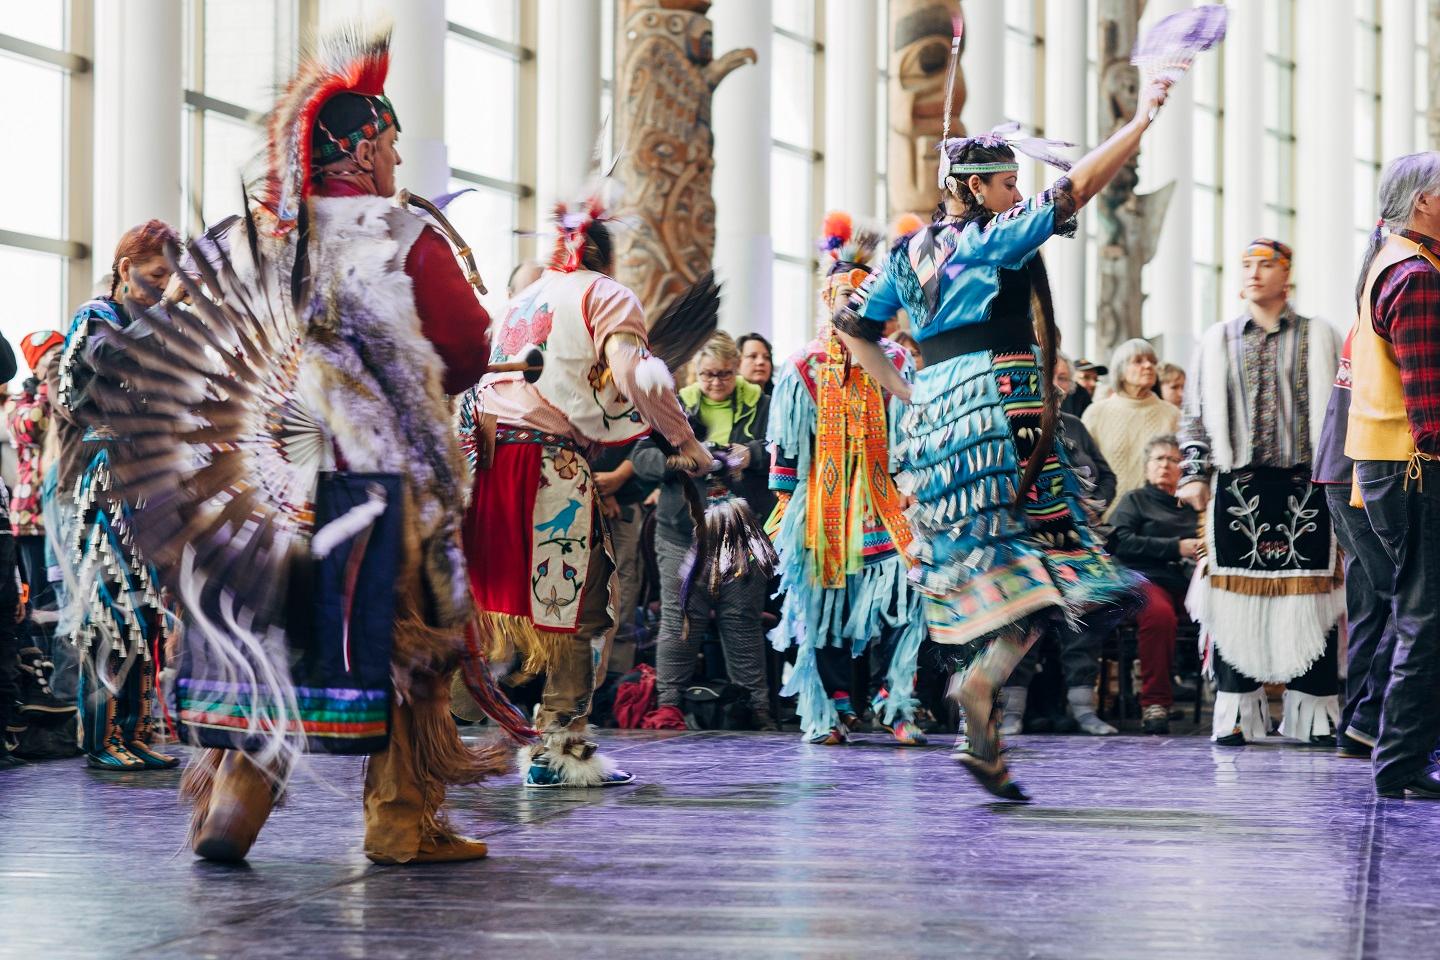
(1269, 599)
(539, 553)
(345, 323)
(840, 526)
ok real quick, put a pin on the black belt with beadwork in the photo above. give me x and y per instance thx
(997, 335)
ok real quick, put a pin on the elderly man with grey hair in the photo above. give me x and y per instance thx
(1269, 599)
(1393, 436)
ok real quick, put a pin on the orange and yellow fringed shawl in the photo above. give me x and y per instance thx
(850, 470)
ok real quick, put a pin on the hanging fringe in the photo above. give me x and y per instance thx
(475, 678)
(1277, 586)
(792, 417)
(1250, 712)
(1271, 639)
(197, 785)
(737, 548)
(509, 634)
(901, 702)
(1305, 715)
(441, 757)
(815, 708)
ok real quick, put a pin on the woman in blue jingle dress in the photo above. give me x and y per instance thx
(1002, 543)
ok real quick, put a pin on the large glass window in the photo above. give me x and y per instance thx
(1368, 158)
(1278, 162)
(794, 170)
(237, 54)
(40, 233)
(1024, 79)
(484, 52)
(1208, 128)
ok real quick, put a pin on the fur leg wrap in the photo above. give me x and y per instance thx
(576, 759)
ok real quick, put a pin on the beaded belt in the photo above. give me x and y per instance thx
(526, 435)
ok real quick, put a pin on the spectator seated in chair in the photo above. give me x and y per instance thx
(1155, 535)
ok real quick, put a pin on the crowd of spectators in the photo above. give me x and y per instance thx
(1118, 425)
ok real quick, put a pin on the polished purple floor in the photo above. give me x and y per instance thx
(751, 845)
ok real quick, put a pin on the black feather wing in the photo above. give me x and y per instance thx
(679, 333)
(216, 455)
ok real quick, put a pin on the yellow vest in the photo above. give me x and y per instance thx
(1378, 428)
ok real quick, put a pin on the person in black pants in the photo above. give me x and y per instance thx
(1393, 435)
(9, 639)
(1369, 578)
(731, 414)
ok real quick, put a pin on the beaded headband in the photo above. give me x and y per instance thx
(1267, 249)
(1000, 166)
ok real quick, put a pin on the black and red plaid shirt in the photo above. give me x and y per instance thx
(1406, 312)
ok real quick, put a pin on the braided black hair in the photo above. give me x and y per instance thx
(599, 252)
(973, 153)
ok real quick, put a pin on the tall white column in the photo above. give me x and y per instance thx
(740, 115)
(1327, 245)
(568, 98)
(138, 91)
(1166, 159)
(851, 112)
(1397, 79)
(984, 63)
(1066, 113)
(1244, 139)
(417, 88)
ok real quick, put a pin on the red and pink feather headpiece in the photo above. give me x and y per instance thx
(350, 59)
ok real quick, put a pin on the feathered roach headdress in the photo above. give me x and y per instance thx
(335, 100)
(846, 252)
(572, 227)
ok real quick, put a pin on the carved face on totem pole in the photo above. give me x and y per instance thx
(920, 32)
(666, 73)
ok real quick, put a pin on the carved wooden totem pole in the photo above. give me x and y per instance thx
(665, 75)
(920, 33)
(1432, 115)
(1129, 222)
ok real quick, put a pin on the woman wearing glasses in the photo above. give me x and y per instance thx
(729, 413)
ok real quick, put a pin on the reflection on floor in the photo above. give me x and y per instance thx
(752, 845)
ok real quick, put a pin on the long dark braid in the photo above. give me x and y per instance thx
(1049, 334)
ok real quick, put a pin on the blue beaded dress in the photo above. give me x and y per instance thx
(986, 567)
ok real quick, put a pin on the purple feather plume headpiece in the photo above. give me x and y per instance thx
(1036, 148)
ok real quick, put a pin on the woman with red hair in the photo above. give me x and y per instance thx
(111, 603)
